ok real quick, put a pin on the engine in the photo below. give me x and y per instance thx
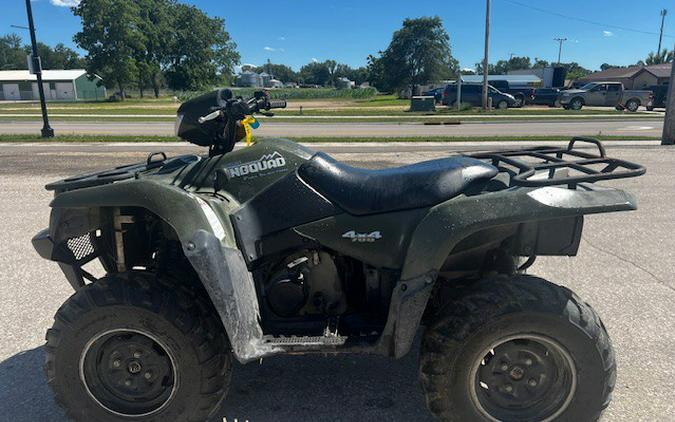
(305, 284)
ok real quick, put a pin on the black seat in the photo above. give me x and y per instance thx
(362, 191)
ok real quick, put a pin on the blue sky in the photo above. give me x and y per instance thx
(296, 32)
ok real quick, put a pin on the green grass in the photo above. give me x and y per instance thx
(295, 93)
(132, 139)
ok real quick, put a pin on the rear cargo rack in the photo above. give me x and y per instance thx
(549, 166)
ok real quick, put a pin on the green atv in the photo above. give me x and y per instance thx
(277, 249)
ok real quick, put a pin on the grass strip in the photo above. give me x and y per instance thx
(136, 139)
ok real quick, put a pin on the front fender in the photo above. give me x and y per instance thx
(207, 238)
(452, 221)
(187, 213)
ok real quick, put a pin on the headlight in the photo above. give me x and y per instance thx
(176, 125)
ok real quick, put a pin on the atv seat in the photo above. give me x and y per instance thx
(362, 191)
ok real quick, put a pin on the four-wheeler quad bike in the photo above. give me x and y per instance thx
(277, 249)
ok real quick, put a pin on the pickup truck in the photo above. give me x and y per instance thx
(610, 94)
(522, 94)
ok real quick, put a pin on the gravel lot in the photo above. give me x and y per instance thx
(624, 269)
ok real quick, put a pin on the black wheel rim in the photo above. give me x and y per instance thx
(523, 378)
(128, 372)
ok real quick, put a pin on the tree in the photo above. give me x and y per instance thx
(59, 57)
(575, 70)
(514, 63)
(154, 22)
(279, 71)
(315, 73)
(491, 69)
(12, 55)
(110, 34)
(331, 65)
(200, 51)
(663, 56)
(540, 63)
(419, 52)
(358, 75)
(606, 66)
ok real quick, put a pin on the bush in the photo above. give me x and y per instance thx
(295, 93)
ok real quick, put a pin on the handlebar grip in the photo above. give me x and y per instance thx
(211, 116)
(278, 104)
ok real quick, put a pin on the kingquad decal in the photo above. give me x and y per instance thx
(362, 237)
(267, 164)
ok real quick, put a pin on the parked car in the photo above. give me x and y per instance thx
(437, 93)
(546, 96)
(660, 97)
(522, 94)
(611, 94)
(473, 94)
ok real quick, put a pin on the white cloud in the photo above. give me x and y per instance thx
(607, 33)
(282, 38)
(65, 3)
(269, 49)
(315, 60)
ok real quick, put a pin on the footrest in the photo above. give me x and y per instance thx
(305, 341)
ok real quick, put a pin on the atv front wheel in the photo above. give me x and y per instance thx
(517, 349)
(136, 347)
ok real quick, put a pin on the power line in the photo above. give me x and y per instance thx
(578, 19)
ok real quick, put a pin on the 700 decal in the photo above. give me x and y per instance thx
(362, 237)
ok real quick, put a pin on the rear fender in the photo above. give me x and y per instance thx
(452, 221)
(207, 239)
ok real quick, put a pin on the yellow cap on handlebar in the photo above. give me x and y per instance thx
(247, 122)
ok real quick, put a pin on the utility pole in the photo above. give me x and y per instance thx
(664, 12)
(668, 136)
(485, 57)
(560, 41)
(47, 131)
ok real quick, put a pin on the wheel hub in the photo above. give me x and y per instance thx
(128, 372)
(525, 378)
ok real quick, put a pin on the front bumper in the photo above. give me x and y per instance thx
(44, 245)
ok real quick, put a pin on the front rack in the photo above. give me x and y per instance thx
(548, 166)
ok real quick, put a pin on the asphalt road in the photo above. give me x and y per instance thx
(626, 127)
(624, 269)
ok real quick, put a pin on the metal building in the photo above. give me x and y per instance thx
(61, 85)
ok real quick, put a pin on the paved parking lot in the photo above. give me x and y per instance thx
(624, 269)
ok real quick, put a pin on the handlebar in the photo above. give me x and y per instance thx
(277, 104)
(211, 116)
(239, 107)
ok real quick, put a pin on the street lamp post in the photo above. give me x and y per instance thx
(47, 131)
(668, 135)
(485, 56)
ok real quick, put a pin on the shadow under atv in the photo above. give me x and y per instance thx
(284, 388)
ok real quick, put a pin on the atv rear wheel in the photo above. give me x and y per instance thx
(136, 347)
(517, 349)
